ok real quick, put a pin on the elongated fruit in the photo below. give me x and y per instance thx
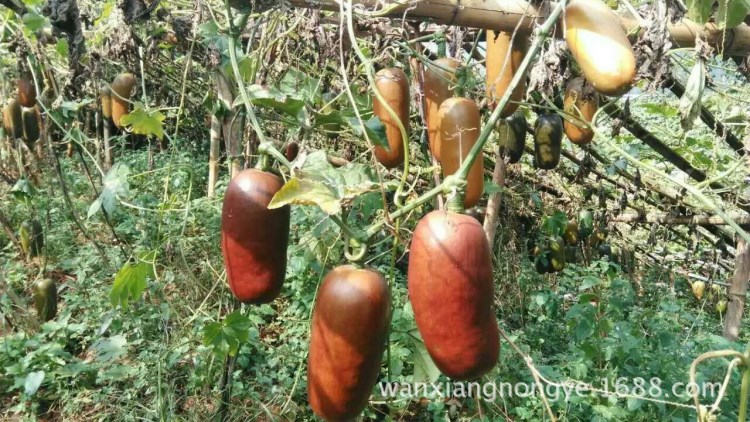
(44, 293)
(547, 141)
(105, 94)
(504, 57)
(349, 330)
(571, 233)
(512, 133)
(254, 238)
(439, 79)
(122, 88)
(557, 253)
(451, 291)
(13, 119)
(393, 85)
(30, 125)
(581, 103)
(459, 130)
(26, 91)
(600, 46)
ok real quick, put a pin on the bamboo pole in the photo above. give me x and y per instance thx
(504, 15)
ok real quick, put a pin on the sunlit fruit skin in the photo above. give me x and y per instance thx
(571, 233)
(26, 91)
(557, 253)
(254, 239)
(291, 151)
(451, 292)
(459, 131)
(30, 125)
(581, 102)
(504, 57)
(547, 141)
(13, 119)
(512, 134)
(393, 85)
(439, 81)
(44, 294)
(600, 46)
(349, 331)
(105, 94)
(122, 88)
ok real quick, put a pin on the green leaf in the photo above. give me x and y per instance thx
(374, 128)
(33, 21)
(589, 282)
(33, 382)
(699, 10)
(556, 223)
(108, 349)
(424, 368)
(115, 186)
(300, 85)
(319, 183)
(491, 188)
(62, 47)
(227, 336)
(22, 189)
(130, 281)
(731, 13)
(274, 99)
(144, 122)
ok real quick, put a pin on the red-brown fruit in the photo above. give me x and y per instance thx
(349, 331)
(26, 91)
(393, 85)
(254, 238)
(451, 292)
(292, 149)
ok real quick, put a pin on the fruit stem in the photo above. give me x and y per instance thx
(267, 149)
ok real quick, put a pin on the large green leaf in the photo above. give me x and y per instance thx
(731, 13)
(699, 10)
(374, 128)
(144, 122)
(227, 336)
(319, 183)
(115, 186)
(130, 281)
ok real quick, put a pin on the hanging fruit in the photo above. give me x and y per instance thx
(291, 151)
(44, 294)
(699, 288)
(721, 306)
(393, 85)
(505, 52)
(459, 131)
(581, 103)
(557, 253)
(13, 119)
(349, 331)
(122, 89)
(600, 46)
(451, 291)
(512, 134)
(26, 91)
(105, 95)
(439, 82)
(571, 233)
(254, 238)
(30, 125)
(547, 141)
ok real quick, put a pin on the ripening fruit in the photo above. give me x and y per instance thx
(122, 89)
(459, 130)
(557, 253)
(13, 119)
(439, 81)
(721, 306)
(393, 85)
(30, 125)
(105, 95)
(291, 151)
(600, 46)
(512, 134)
(699, 288)
(547, 141)
(581, 103)
(26, 91)
(503, 60)
(44, 293)
(571, 233)
(349, 331)
(451, 292)
(254, 238)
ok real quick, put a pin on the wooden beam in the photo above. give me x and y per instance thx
(667, 219)
(509, 15)
(737, 292)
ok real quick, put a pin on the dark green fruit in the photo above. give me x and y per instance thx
(513, 136)
(571, 233)
(557, 253)
(605, 250)
(543, 262)
(45, 299)
(548, 131)
(31, 237)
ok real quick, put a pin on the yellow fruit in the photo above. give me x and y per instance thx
(122, 88)
(503, 60)
(699, 288)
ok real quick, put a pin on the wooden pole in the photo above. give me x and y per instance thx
(695, 220)
(213, 155)
(505, 15)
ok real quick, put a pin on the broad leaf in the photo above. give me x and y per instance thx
(130, 281)
(731, 13)
(115, 185)
(32, 382)
(33, 21)
(23, 189)
(144, 122)
(319, 183)
(108, 349)
(300, 85)
(555, 224)
(699, 10)
(274, 99)
(374, 128)
(227, 336)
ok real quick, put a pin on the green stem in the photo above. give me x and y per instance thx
(542, 34)
(744, 392)
(348, 231)
(267, 148)
(374, 228)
